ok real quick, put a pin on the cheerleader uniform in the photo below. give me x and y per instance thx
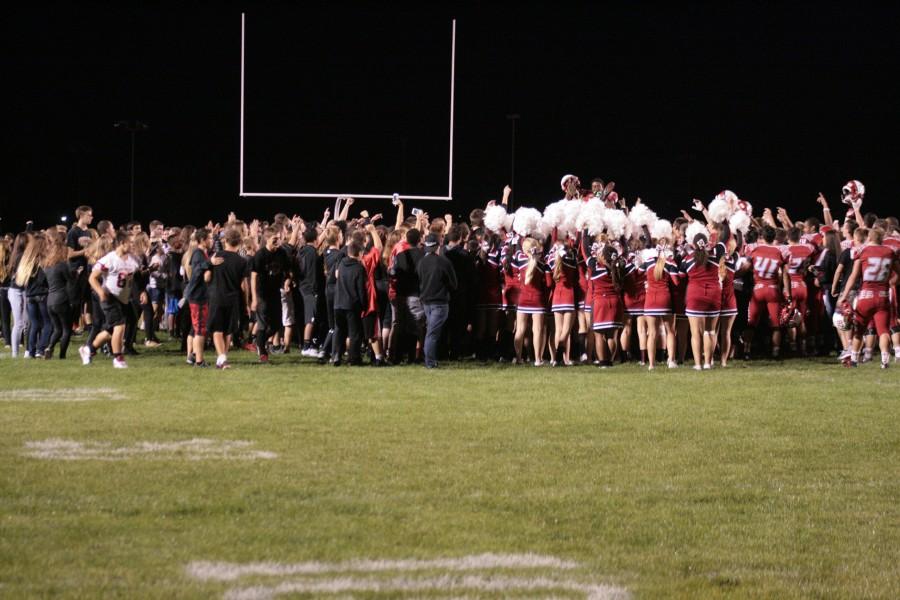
(703, 297)
(534, 296)
(658, 298)
(634, 288)
(512, 287)
(729, 300)
(564, 289)
(679, 289)
(607, 308)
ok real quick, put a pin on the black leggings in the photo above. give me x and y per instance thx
(149, 322)
(5, 315)
(98, 322)
(60, 318)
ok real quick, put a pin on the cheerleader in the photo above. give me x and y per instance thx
(728, 264)
(682, 328)
(633, 295)
(583, 295)
(564, 267)
(606, 272)
(661, 275)
(703, 297)
(536, 280)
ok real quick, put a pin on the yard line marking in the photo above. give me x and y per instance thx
(224, 571)
(442, 583)
(194, 449)
(78, 394)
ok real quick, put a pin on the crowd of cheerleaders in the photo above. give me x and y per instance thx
(589, 280)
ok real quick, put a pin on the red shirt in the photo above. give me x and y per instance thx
(877, 262)
(370, 261)
(767, 261)
(795, 255)
(392, 280)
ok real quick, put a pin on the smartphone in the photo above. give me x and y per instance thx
(396, 200)
(416, 212)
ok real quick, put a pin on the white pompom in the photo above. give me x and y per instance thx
(591, 216)
(740, 221)
(617, 223)
(527, 221)
(508, 221)
(728, 197)
(746, 207)
(693, 229)
(495, 218)
(554, 213)
(719, 210)
(571, 210)
(661, 229)
(641, 216)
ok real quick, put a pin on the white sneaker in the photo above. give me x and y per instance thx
(707, 367)
(310, 352)
(698, 368)
(320, 354)
(539, 363)
(119, 363)
(85, 353)
(27, 354)
(844, 354)
(672, 364)
(650, 368)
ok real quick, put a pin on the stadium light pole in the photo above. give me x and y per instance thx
(512, 155)
(132, 127)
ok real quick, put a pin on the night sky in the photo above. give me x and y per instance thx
(671, 102)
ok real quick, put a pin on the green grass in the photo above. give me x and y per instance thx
(774, 480)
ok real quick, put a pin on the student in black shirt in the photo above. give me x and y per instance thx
(462, 305)
(332, 257)
(229, 275)
(350, 300)
(410, 317)
(76, 242)
(197, 293)
(270, 273)
(307, 260)
(437, 281)
(61, 286)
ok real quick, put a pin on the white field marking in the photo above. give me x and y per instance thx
(194, 449)
(450, 583)
(61, 395)
(224, 571)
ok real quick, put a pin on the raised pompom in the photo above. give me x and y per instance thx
(571, 210)
(693, 229)
(719, 210)
(642, 216)
(527, 221)
(740, 221)
(590, 216)
(554, 213)
(495, 218)
(728, 196)
(617, 223)
(661, 229)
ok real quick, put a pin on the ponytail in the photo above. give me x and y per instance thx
(660, 269)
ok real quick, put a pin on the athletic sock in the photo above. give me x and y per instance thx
(885, 357)
(854, 356)
(867, 354)
(220, 359)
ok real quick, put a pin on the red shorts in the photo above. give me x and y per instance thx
(606, 312)
(199, 316)
(703, 300)
(874, 307)
(766, 297)
(658, 303)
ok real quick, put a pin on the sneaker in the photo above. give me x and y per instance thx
(223, 365)
(672, 364)
(650, 368)
(866, 358)
(844, 354)
(85, 353)
(190, 359)
(310, 352)
(885, 365)
(553, 363)
(707, 366)
(263, 359)
(151, 343)
(277, 349)
(320, 354)
(27, 354)
(698, 368)
(119, 363)
(202, 364)
(539, 363)
(39, 354)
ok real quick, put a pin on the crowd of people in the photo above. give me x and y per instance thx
(588, 280)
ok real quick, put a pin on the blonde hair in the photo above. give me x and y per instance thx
(140, 244)
(31, 259)
(55, 250)
(186, 257)
(660, 269)
(4, 257)
(99, 248)
(528, 247)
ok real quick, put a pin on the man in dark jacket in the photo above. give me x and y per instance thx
(436, 282)
(462, 300)
(350, 300)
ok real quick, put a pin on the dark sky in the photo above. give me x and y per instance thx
(672, 102)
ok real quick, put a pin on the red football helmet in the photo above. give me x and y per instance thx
(852, 191)
(789, 316)
(846, 310)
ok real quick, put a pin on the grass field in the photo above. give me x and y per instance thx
(773, 480)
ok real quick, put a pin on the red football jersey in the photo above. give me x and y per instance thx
(796, 254)
(767, 260)
(876, 263)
